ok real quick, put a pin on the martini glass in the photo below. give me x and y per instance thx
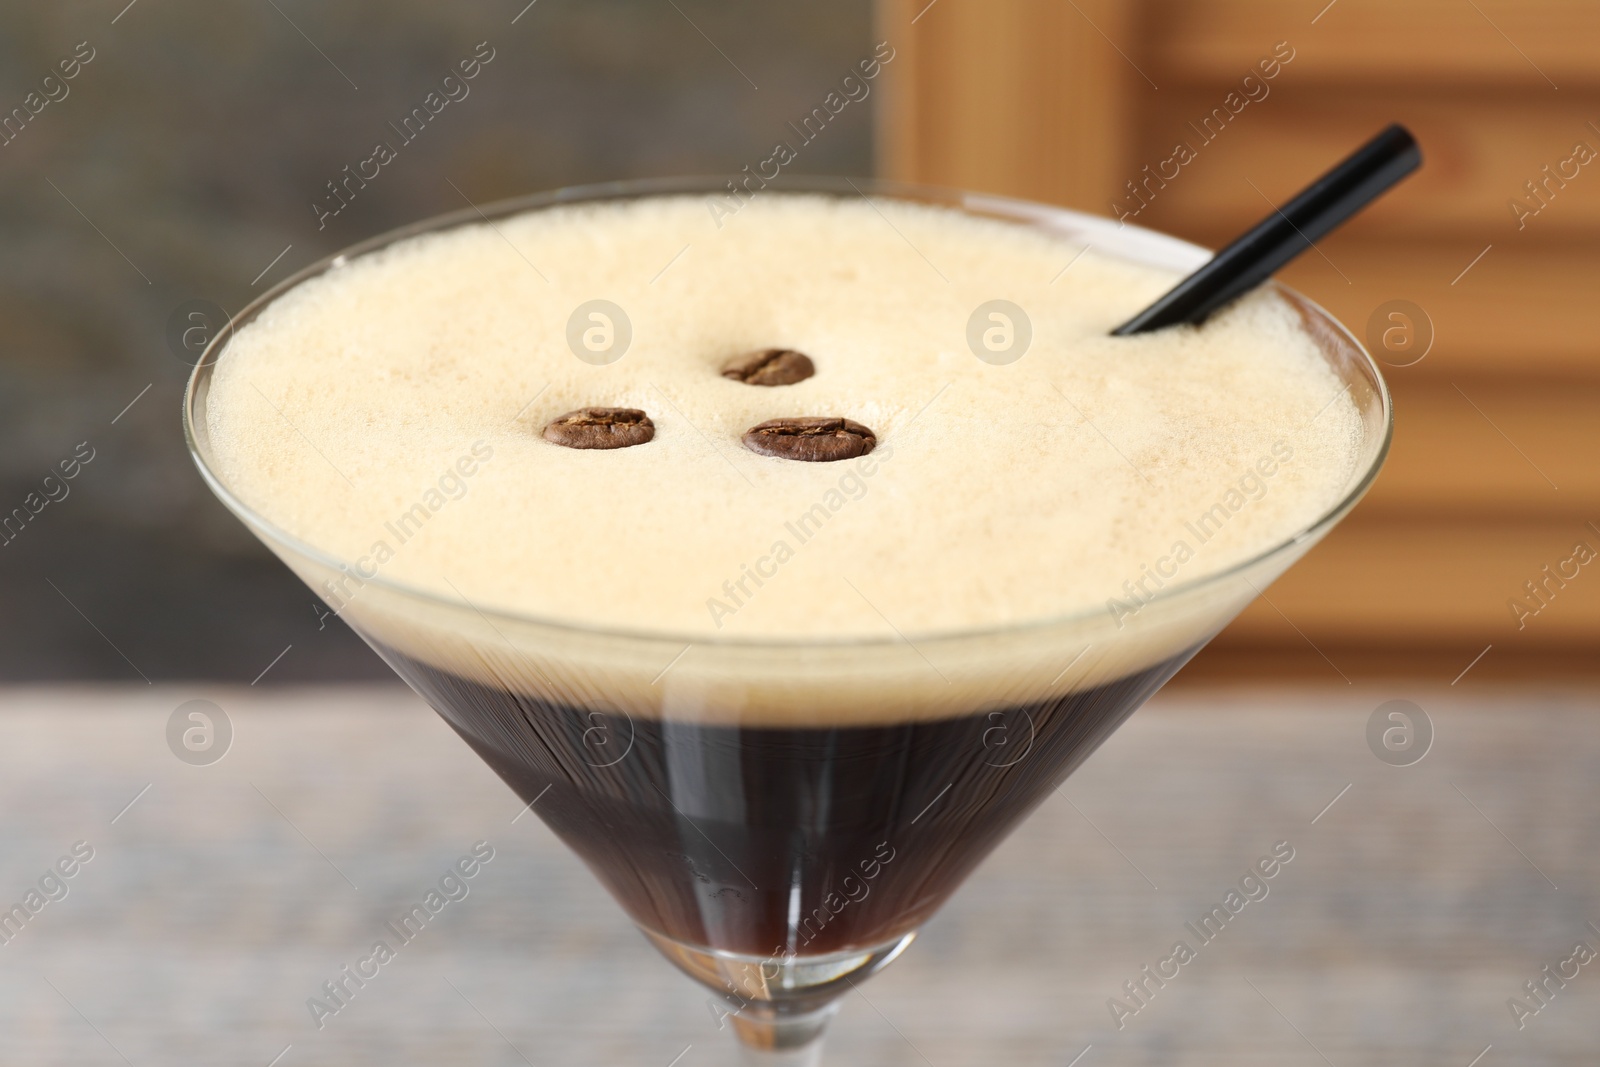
(779, 817)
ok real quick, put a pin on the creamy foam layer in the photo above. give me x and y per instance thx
(390, 412)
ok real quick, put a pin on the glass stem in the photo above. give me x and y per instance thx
(771, 1037)
(780, 1006)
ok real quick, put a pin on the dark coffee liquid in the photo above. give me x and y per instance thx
(767, 841)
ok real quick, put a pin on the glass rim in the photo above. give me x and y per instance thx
(1013, 209)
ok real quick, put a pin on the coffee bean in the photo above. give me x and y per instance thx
(770, 366)
(810, 440)
(601, 428)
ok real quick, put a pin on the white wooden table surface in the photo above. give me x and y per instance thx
(215, 905)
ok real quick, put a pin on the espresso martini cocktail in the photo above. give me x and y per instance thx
(782, 565)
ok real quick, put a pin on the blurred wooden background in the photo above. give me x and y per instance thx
(1493, 475)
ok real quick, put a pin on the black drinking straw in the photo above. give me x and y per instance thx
(1324, 204)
